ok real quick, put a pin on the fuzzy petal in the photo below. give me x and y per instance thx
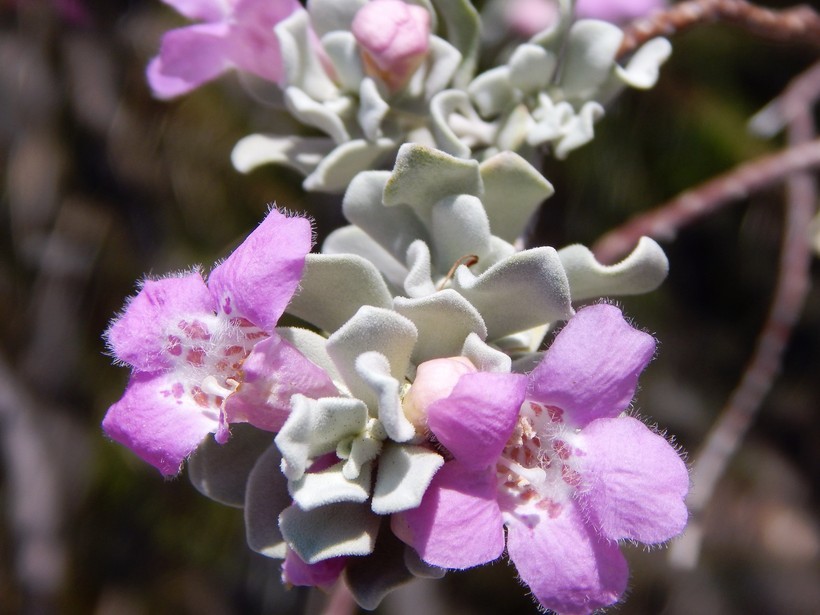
(567, 566)
(592, 368)
(459, 505)
(139, 337)
(158, 421)
(259, 278)
(188, 58)
(476, 420)
(274, 371)
(635, 482)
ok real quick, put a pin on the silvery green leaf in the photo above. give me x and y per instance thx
(329, 531)
(523, 342)
(358, 452)
(640, 272)
(444, 320)
(372, 329)
(443, 61)
(343, 51)
(300, 153)
(374, 369)
(341, 165)
(463, 30)
(394, 228)
(499, 250)
(220, 471)
(513, 190)
(419, 281)
(551, 37)
(312, 346)
(492, 92)
(405, 472)
(329, 15)
(526, 363)
(485, 357)
(266, 496)
(353, 240)
(442, 107)
(315, 427)
(323, 116)
(589, 58)
(302, 67)
(422, 176)
(643, 68)
(419, 568)
(334, 287)
(514, 129)
(372, 577)
(460, 227)
(527, 289)
(330, 486)
(563, 126)
(372, 109)
(531, 68)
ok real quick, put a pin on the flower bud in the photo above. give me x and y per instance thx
(435, 379)
(394, 38)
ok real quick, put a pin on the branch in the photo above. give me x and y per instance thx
(664, 221)
(790, 294)
(800, 24)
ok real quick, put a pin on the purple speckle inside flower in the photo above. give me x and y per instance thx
(538, 465)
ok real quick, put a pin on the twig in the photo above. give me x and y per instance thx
(789, 298)
(664, 221)
(800, 24)
(340, 601)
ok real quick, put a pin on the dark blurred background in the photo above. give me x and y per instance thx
(100, 184)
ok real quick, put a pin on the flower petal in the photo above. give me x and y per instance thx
(140, 335)
(459, 505)
(259, 278)
(567, 566)
(200, 10)
(592, 368)
(475, 421)
(634, 481)
(158, 420)
(273, 372)
(189, 57)
(322, 574)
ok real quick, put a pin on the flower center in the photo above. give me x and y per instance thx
(537, 470)
(207, 354)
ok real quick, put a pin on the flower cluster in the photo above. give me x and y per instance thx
(416, 408)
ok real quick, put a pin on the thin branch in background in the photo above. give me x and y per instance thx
(664, 221)
(790, 294)
(800, 24)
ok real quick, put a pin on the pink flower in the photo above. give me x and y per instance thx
(616, 11)
(235, 34)
(206, 355)
(394, 37)
(567, 473)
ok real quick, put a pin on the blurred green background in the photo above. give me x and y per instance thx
(100, 184)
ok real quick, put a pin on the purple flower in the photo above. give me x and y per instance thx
(206, 355)
(616, 11)
(566, 472)
(234, 34)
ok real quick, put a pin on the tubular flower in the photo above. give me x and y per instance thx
(204, 355)
(566, 472)
(234, 34)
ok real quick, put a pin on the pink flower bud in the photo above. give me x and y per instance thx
(435, 379)
(529, 17)
(394, 38)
